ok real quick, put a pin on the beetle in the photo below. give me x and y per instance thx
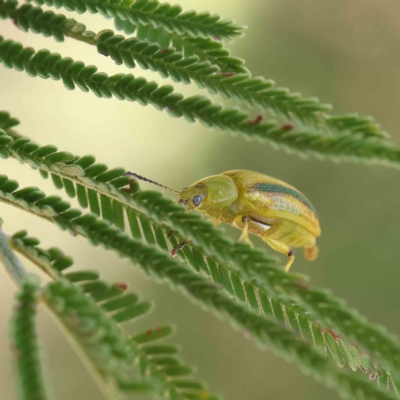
(258, 204)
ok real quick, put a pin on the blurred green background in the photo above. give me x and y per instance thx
(345, 52)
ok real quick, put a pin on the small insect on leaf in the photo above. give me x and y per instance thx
(180, 246)
(287, 127)
(256, 204)
(255, 121)
(121, 286)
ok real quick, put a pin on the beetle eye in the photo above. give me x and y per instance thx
(197, 200)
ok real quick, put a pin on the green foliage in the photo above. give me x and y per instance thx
(251, 293)
(171, 18)
(171, 63)
(182, 68)
(92, 311)
(108, 306)
(127, 87)
(108, 348)
(251, 277)
(25, 342)
(154, 261)
(47, 23)
(7, 122)
(231, 279)
(206, 49)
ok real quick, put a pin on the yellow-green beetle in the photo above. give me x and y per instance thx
(259, 204)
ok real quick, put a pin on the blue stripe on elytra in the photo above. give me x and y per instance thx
(275, 188)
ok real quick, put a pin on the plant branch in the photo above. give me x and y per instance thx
(127, 87)
(30, 379)
(206, 49)
(197, 68)
(264, 294)
(170, 63)
(248, 291)
(264, 329)
(250, 264)
(13, 266)
(170, 18)
(158, 362)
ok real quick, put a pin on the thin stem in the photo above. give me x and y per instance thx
(41, 263)
(106, 386)
(10, 261)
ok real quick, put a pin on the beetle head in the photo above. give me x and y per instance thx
(209, 194)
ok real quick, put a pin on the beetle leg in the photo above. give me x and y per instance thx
(216, 221)
(131, 186)
(291, 259)
(244, 237)
(282, 248)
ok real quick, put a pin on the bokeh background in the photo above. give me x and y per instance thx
(345, 52)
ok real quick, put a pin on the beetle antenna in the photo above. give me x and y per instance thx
(142, 178)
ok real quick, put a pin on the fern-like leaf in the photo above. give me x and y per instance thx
(159, 362)
(151, 12)
(46, 65)
(206, 49)
(90, 178)
(98, 335)
(31, 385)
(47, 23)
(248, 292)
(348, 136)
(173, 63)
(7, 122)
(155, 262)
(287, 312)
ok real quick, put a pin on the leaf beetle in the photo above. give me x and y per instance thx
(258, 204)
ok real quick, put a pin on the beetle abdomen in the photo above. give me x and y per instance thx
(268, 199)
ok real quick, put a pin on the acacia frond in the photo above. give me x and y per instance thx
(159, 361)
(31, 385)
(342, 137)
(206, 49)
(247, 291)
(7, 121)
(27, 17)
(169, 17)
(355, 124)
(7, 7)
(125, 86)
(13, 266)
(48, 23)
(287, 312)
(254, 295)
(192, 66)
(91, 178)
(171, 63)
(100, 339)
(155, 262)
